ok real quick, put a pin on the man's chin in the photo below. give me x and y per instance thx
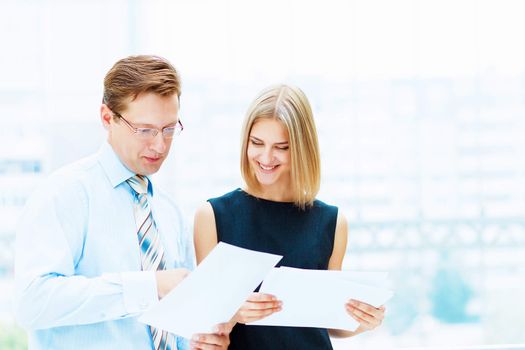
(150, 169)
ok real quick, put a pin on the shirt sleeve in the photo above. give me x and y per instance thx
(49, 243)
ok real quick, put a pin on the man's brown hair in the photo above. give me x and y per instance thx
(133, 75)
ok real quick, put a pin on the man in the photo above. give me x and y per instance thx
(98, 243)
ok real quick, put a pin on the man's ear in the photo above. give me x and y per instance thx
(105, 115)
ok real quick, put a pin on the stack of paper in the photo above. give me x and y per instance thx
(317, 298)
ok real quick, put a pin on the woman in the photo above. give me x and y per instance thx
(276, 212)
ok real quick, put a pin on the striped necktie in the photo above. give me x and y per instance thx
(151, 249)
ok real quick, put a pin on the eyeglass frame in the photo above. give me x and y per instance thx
(151, 133)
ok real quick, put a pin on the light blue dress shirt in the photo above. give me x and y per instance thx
(79, 283)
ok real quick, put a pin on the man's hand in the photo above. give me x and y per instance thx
(220, 340)
(257, 306)
(169, 279)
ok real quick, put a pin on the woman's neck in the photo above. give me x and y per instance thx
(271, 193)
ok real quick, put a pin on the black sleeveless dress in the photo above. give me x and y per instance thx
(305, 239)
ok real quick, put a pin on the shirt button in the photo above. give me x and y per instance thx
(143, 305)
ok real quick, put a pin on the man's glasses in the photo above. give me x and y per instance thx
(150, 133)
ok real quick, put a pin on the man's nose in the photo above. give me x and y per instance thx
(158, 144)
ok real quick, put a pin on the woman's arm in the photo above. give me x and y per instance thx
(204, 231)
(258, 305)
(368, 316)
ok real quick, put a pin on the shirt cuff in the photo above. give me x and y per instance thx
(140, 290)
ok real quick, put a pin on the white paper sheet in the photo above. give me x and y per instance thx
(369, 278)
(314, 298)
(213, 292)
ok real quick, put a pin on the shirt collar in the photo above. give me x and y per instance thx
(115, 170)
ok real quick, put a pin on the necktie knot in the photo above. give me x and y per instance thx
(139, 184)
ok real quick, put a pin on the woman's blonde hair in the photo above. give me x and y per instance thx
(289, 105)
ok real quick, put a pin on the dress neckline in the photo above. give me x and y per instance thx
(263, 199)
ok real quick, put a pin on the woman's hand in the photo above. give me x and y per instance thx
(257, 307)
(368, 316)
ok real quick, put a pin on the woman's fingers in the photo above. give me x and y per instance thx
(262, 305)
(246, 316)
(367, 315)
(261, 297)
(258, 306)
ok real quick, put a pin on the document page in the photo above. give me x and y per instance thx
(317, 298)
(213, 292)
